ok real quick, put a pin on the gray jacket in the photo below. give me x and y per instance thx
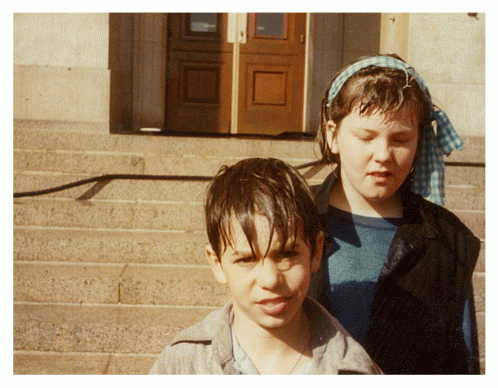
(206, 347)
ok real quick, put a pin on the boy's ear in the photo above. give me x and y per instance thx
(332, 137)
(317, 254)
(215, 265)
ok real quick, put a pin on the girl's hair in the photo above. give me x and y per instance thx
(379, 88)
(267, 187)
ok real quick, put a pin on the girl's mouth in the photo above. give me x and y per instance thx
(380, 177)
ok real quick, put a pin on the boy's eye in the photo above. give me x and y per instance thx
(288, 254)
(246, 261)
(286, 259)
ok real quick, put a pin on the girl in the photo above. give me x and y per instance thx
(397, 271)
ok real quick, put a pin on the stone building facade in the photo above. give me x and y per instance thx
(107, 272)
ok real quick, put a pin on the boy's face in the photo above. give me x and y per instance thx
(266, 290)
(376, 152)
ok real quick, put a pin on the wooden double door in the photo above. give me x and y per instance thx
(233, 74)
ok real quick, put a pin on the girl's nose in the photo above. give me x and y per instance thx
(268, 276)
(382, 151)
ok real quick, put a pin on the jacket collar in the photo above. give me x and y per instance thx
(333, 348)
(413, 205)
(322, 192)
(214, 329)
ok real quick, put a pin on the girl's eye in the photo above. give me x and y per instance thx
(402, 140)
(364, 137)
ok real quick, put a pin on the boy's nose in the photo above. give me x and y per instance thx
(268, 276)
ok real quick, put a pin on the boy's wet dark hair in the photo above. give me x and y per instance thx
(267, 187)
(379, 88)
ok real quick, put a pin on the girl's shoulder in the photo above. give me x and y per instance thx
(443, 220)
(439, 213)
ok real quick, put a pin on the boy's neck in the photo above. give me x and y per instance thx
(275, 351)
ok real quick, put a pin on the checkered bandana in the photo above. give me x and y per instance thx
(429, 171)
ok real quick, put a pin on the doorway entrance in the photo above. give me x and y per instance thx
(261, 74)
(211, 73)
(212, 57)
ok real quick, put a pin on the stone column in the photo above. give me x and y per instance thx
(394, 28)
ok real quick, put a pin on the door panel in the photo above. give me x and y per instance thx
(199, 74)
(272, 74)
(267, 106)
(198, 100)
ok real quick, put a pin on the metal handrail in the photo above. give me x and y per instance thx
(110, 177)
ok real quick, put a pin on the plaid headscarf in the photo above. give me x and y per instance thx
(428, 178)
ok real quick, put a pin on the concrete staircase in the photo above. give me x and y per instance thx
(105, 274)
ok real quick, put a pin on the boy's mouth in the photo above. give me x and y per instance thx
(275, 306)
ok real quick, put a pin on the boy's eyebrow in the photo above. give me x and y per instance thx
(290, 244)
(246, 252)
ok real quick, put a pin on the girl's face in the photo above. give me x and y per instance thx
(376, 152)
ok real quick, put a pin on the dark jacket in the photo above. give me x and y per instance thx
(416, 314)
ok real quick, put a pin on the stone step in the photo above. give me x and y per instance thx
(97, 214)
(465, 198)
(475, 220)
(99, 328)
(474, 151)
(72, 363)
(178, 285)
(118, 189)
(481, 340)
(109, 246)
(479, 284)
(481, 262)
(85, 137)
(465, 188)
(102, 153)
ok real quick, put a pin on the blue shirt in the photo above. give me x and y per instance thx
(353, 271)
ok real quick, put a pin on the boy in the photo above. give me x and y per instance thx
(265, 241)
